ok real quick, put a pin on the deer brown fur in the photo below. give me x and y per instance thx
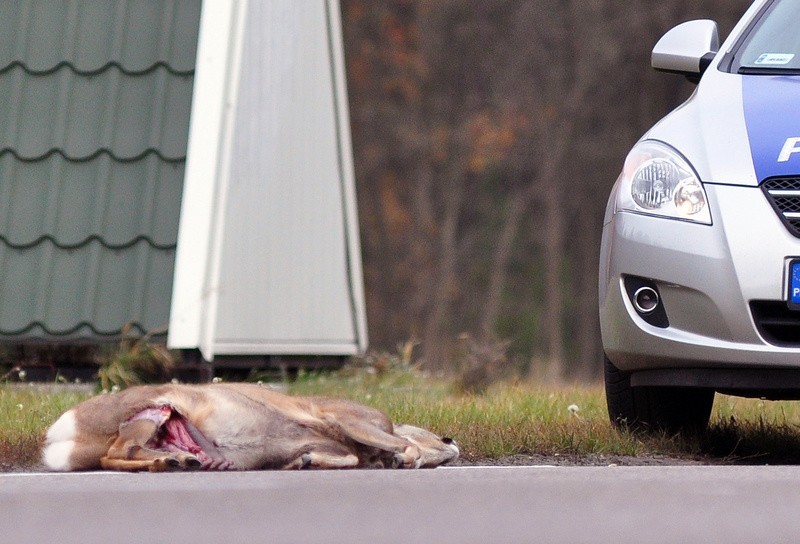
(233, 426)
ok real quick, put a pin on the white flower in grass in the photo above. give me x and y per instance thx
(21, 375)
(216, 379)
(20, 407)
(573, 409)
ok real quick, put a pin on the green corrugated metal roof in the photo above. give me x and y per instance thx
(89, 34)
(100, 198)
(95, 100)
(81, 116)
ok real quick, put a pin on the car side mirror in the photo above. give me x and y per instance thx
(687, 49)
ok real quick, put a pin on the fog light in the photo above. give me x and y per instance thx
(645, 300)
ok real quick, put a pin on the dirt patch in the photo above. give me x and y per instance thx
(597, 460)
(9, 467)
(564, 460)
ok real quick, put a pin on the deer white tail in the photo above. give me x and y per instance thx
(60, 442)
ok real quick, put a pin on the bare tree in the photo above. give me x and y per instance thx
(487, 136)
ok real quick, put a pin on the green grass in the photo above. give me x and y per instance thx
(509, 419)
(506, 420)
(525, 418)
(25, 414)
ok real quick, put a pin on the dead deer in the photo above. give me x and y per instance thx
(233, 426)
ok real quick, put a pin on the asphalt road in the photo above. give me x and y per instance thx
(461, 504)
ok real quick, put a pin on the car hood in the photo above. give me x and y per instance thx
(737, 130)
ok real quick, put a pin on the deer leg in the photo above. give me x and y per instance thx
(321, 460)
(406, 454)
(129, 452)
(324, 456)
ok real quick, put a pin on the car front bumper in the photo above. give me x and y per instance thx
(707, 277)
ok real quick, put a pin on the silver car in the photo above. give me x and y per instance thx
(700, 257)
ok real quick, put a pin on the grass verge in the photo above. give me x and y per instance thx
(26, 411)
(507, 420)
(530, 419)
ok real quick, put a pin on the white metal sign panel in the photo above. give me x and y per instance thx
(283, 270)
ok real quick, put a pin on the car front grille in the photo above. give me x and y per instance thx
(777, 324)
(784, 195)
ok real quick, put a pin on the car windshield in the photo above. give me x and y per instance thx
(773, 45)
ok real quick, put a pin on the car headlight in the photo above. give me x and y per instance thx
(657, 180)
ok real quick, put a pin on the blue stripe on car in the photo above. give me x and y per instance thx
(772, 116)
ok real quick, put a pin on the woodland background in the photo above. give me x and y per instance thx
(487, 135)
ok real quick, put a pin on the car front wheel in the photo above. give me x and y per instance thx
(652, 409)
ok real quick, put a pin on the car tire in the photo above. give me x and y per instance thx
(684, 410)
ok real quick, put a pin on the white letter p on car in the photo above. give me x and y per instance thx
(789, 148)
